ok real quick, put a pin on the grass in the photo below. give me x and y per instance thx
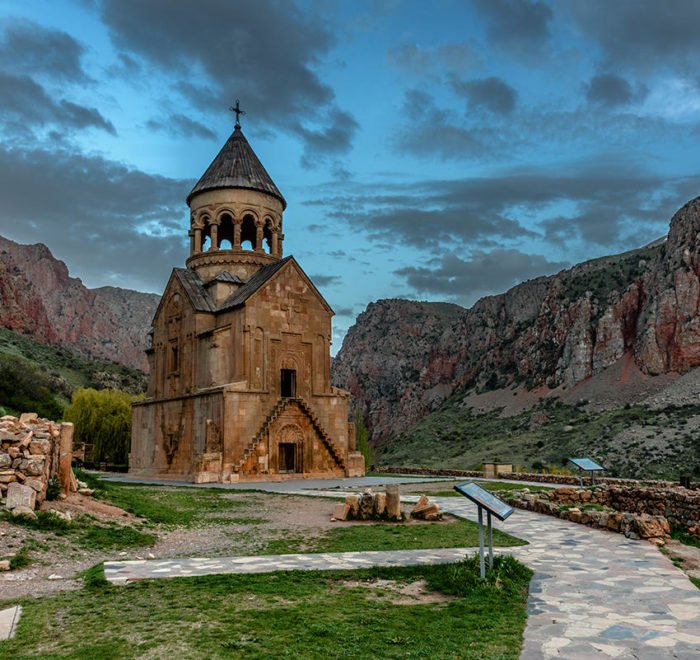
(495, 487)
(310, 615)
(685, 538)
(657, 443)
(392, 536)
(695, 581)
(86, 532)
(168, 505)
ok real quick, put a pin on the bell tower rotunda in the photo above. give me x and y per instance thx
(235, 214)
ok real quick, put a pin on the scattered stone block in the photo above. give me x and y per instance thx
(5, 565)
(366, 505)
(24, 511)
(393, 501)
(380, 504)
(353, 504)
(19, 495)
(341, 511)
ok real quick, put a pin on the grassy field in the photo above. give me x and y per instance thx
(655, 443)
(292, 615)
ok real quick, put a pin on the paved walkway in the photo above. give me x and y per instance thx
(8, 621)
(595, 594)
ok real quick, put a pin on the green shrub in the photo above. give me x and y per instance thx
(24, 388)
(53, 490)
(362, 439)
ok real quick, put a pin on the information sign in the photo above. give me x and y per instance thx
(586, 464)
(483, 498)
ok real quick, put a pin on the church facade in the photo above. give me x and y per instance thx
(239, 385)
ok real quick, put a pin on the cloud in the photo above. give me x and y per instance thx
(118, 223)
(465, 280)
(181, 125)
(608, 89)
(325, 280)
(519, 25)
(29, 48)
(641, 34)
(264, 52)
(419, 60)
(26, 103)
(492, 94)
(433, 131)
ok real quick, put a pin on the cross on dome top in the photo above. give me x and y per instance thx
(236, 109)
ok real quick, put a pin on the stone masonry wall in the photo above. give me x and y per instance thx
(29, 449)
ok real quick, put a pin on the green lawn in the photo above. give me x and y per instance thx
(496, 487)
(392, 536)
(292, 615)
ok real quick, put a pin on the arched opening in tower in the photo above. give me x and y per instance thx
(248, 233)
(226, 232)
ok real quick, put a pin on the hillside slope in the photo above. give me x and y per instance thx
(403, 359)
(39, 298)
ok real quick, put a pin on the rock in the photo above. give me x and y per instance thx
(39, 447)
(353, 505)
(35, 467)
(4, 565)
(5, 461)
(81, 484)
(567, 428)
(55, 576)
(62, 515)
(393, 501)
(341, 511)
(86, 491)
(28, 417)
(7, 476)
(19, 495)
(150, 556)
(650, 527)
(34, 483)
(24, 511)
(366, 506)
(380, 504)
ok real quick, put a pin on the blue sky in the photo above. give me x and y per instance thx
(435, 151)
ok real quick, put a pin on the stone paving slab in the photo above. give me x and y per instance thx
(8, 621)
(121, 572)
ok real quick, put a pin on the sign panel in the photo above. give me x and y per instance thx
(483, 498)
(586, 464)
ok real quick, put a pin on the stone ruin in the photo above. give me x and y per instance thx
(636, 512)
(32, 452)
(383, 506)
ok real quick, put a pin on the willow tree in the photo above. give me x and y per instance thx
(102, 419)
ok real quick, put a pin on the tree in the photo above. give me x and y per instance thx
(103, 419)
(362, 439)
(24, 388)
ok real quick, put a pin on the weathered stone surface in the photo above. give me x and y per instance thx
(366, 506)
(340, 511)
(28, 417)
(24, 511)
(5, 461)
(19, 495)
(393, 501)
(353, 505)
(380, 504)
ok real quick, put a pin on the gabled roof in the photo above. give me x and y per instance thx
(237, 166)
(225, 277)
(254, 283)
(194, 289)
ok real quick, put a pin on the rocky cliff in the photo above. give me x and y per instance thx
(39, 298)
(402, 359)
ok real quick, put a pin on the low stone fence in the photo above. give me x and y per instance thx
(563, 479)
(632, 510)
(30, 457)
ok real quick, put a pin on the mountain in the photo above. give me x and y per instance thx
(39, 298)
(610, 332)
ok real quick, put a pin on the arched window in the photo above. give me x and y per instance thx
(206, 233)
(267, 236)
(248, 233)
(225, 232)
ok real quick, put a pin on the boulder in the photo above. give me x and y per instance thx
(24, 511)
(5, 461)
(19, 495)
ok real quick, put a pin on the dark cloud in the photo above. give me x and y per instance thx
(492, 94)
(344, 311)
(643, 34)
(465, 280)
(29, 48)
(520, 25)
(27, 103)
(264, 52)
(611, 90)
(119, 224)
(325, 280)
(433, 131)
(181, 125)
(610, 205)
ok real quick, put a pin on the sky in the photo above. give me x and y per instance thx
(441, 150)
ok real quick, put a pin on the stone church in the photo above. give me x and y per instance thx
(239, 386)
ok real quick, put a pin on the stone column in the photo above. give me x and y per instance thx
(237, 233)
(65, 456)
(197, 240)
(274, 247)
(259, 235)
(393, 501)
(214, 236)
(190, 233)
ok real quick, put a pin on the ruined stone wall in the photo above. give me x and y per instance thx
(29, 449)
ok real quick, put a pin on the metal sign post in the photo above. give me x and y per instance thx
(488, 502)
(586, 465)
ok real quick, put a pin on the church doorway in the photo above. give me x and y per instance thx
(287, 458)
(288, 384)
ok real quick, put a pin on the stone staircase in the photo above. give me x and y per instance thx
(273, 415)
